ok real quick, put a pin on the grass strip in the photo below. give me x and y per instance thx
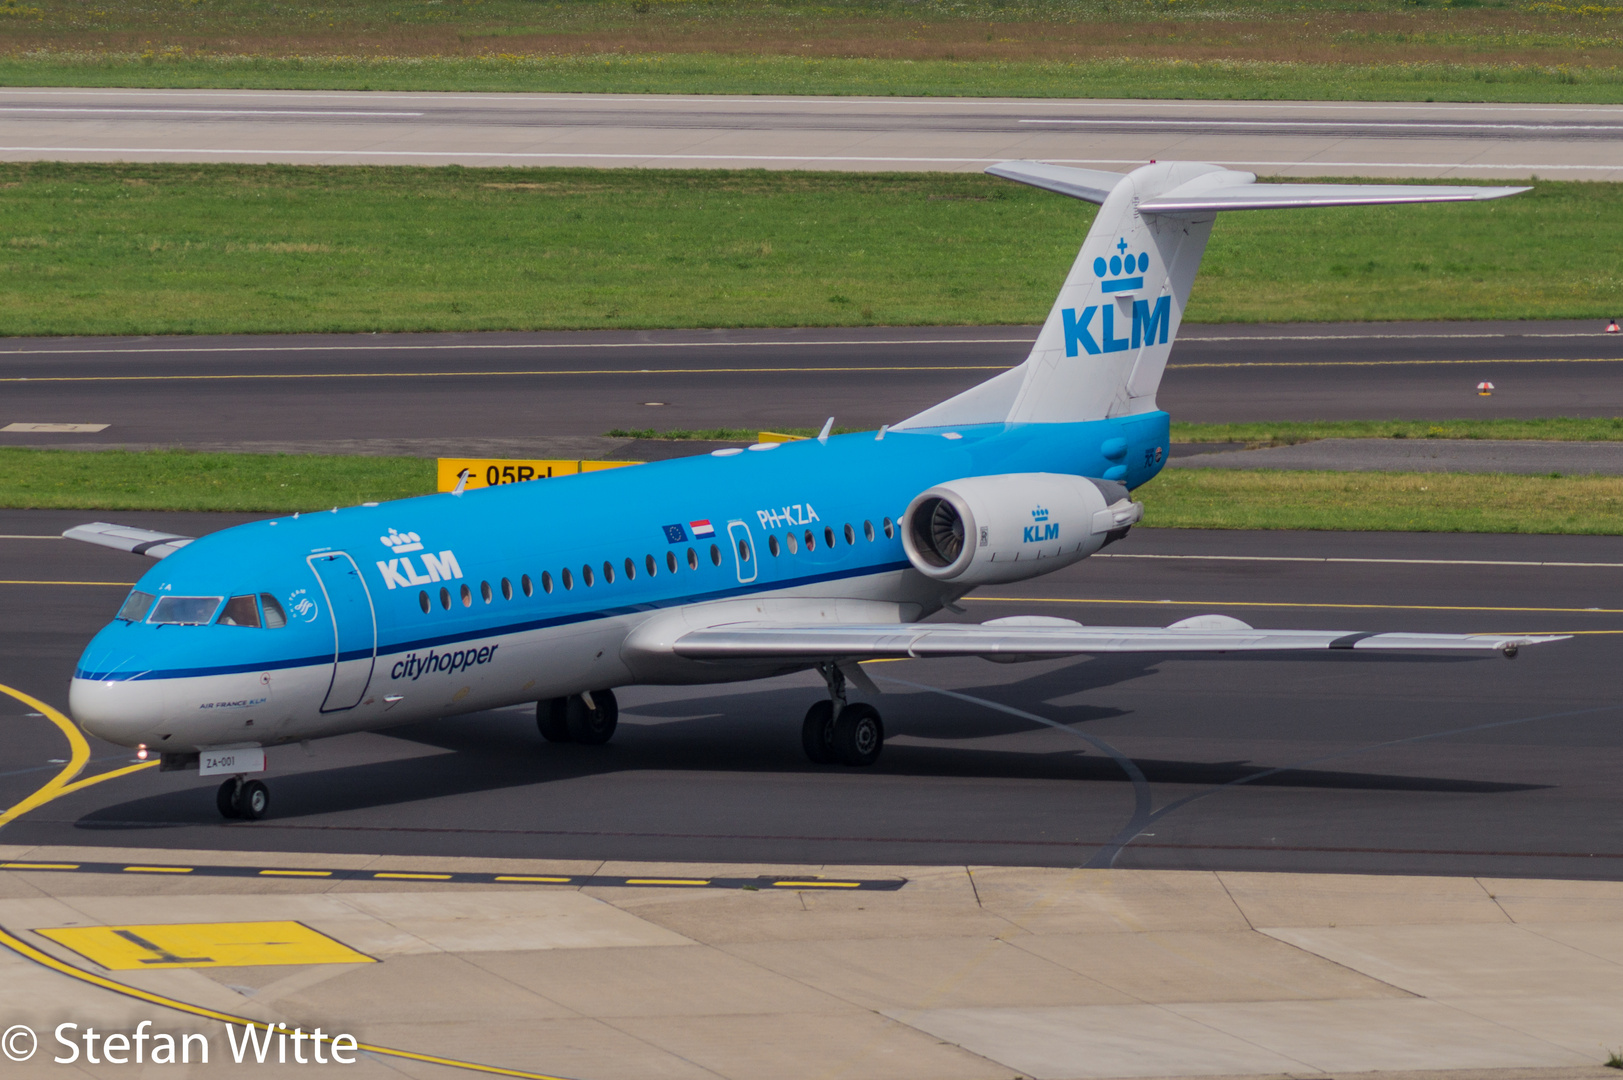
(1178, 498)
(1394, 502)
(211, 249)
(1288, 433)
(723, 73)
(181, 480)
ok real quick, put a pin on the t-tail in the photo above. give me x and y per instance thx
(1106, 340)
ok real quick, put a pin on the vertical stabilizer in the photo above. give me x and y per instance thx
(1106, 341)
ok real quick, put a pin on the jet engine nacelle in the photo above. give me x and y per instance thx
(989, 529)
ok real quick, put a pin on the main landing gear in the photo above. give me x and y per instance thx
(580, 718)
(837, 733)
(245, 799)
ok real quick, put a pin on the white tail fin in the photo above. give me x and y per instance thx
(1105, 343)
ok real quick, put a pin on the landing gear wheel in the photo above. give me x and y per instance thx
(859, 735)
(552, 718)
(817, 733)
(593, 725)
(254, 801)
(226, 797)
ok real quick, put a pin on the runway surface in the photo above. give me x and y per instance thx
(542, 394)
(1441, 765)
(1578, 142)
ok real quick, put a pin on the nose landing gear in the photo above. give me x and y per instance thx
(580, 718)
(836, 733)
(248, 800)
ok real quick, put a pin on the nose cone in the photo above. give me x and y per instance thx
(108, 698)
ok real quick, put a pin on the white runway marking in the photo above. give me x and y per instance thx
(119, 110)
(832, 158)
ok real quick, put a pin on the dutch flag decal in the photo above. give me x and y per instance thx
(702, 529)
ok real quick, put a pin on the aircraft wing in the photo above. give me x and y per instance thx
(1033, 637)
(1288, 196)
(156, 545)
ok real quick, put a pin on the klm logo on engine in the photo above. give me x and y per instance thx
(1042, 530)
(401, 573)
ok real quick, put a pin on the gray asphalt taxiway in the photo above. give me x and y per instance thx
(516, 394)
(1337, 763)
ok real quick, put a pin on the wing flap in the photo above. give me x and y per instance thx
(770, 641)
(156, 545)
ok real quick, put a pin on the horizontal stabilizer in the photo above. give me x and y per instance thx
(1197, 197)
(1054, 637)
(1092, 185)
(156, 545)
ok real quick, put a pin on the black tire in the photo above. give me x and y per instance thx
(254, 802)
(552, 718)
(593, 727)
(226, 798)
(859, 735)
(817, 733)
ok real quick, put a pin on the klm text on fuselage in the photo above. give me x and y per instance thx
(1150, 327)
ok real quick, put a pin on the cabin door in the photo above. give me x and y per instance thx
(743, 550)
(354, 628)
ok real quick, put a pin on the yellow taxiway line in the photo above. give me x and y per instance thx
(495, 374)
(63, 783)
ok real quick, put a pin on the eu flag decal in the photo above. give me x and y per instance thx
(675, 534)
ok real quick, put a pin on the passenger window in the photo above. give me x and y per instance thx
(670, 561)
(445, 598)
(608, 573)
(422, 602)
(467, 596)
(484, 591)
(715, 555)
(653, 567)
(586, 575)
(850, 535)
(529, 586)
(240, 611)
(828, 536)
(275, 617)
(186, 610)
(136, 607)
(507, 589)
(568, 578)
(867, 530)
(794, 545)
(631, 570)
(743, 551)
(546, 583)
(772, 544)
(890, 530)
(693, 559)
(811, 541)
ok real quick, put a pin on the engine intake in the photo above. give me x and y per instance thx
(983, 530)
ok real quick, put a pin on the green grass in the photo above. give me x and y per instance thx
(1178, 498)
(1285, 433)
(1398, 502)
(721, 73)
(151, 249)
(179, 480)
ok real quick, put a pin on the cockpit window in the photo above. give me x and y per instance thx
(136, 607)
(240, 611)
(186, 610)
(274, 615)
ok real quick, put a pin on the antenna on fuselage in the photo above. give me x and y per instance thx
(828, 426)
(461, 482)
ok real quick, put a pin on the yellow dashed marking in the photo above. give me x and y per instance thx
(295, 873)
(415, 877)
(158, 869)
(536, 880)
(817, 884)
(172, 945)
(666, 881)
(38, 866)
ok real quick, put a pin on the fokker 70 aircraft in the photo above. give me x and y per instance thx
(735, 565)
